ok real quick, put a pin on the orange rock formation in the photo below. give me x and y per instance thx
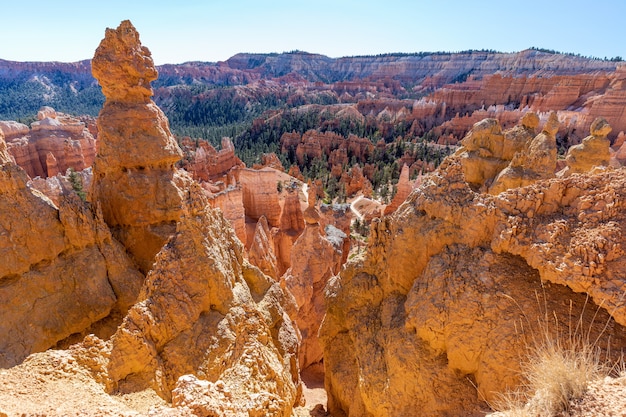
(404, 189)
(54, 143)
(592, 152)
(61, 271)
(260, 194)
(138, 191)
(203, 325)
(314, 259)
(447, 279)
(204, 163)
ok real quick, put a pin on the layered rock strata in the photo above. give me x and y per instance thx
(260, 196)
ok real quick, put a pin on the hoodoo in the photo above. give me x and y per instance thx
(134, 178)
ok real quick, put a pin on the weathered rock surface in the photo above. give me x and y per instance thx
(272, 161)
(261, 252)
(313, 144)
(404, 189)
(339, 216)
(207, 312)
(521, 169)
(260, 195)
(494, 160)
(314, 259)
(61, 270)
(592, 152)
(204, 163)
(450, 276)
(229, 199)
(134, 176)
(53, 144)
(289, 229)
(204, 329)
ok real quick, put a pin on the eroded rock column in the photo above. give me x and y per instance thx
(134, 176)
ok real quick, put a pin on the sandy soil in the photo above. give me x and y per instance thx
(52, 383)
(314, 394)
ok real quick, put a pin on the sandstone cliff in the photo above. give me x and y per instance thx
(433, 313)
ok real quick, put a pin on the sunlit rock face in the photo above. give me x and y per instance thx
(435, 316)
(134, 177)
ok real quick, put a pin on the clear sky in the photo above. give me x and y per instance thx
(209, 30)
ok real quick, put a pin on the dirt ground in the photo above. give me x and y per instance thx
(314, 394)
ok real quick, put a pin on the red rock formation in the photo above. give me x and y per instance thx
(138, 192)
(313, 144)
(404, 188)
(354, 181)
(13, 130)
(294, 171)
(456, 107)
(620, 149)
(205, 163)
(52, 165)
(63, 137)
(272, 161)
(260, 195)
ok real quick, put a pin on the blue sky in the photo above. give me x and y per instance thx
(209, 30)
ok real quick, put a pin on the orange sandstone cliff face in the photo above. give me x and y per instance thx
(430, 318)
(61, 270)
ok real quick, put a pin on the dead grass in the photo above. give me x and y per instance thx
(560, 365)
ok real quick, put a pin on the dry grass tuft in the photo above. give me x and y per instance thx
(557, 371)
